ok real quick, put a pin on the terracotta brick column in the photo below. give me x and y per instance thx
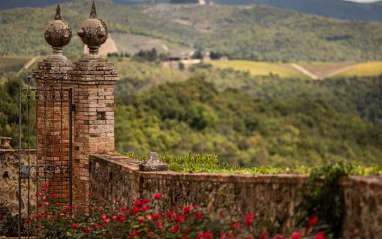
(53, 116)
(92, 80)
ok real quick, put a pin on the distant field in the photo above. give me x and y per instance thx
(363, 69)
(12, 63)
(260, 68)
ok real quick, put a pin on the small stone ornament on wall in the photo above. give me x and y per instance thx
(153, 163)
(5, 143)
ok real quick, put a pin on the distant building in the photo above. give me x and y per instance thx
(200, 2)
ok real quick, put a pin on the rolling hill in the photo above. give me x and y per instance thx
(329, 8)
(260, 33)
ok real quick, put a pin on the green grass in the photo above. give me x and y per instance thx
(362, 70)
(12, 63)
(260, 68)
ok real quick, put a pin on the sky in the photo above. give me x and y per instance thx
(363, 1)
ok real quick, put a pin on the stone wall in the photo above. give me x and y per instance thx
(271, 197)
(9, 179)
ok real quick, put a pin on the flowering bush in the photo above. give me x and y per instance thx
(8, 222)
(142, 220)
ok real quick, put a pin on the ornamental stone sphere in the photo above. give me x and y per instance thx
(58, 32)
(93, 32)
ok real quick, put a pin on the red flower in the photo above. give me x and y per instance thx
(207, 235)
(117, 200)
(68, 208)
(313, 221)
(199, 215)
(157, 196)
(103, 216)
(53, 195)
(221, 215)
(297, 235)
(236, 225)
(144, 208)
(175, 229)
(223, 235)
(196, 207)
(46, 184)
(44, 189)
(170, 214)
(96, 226)
(138, 203)
(248, 219)
(75, 225)
(279, 236)
(135, 210)
(200, 235)
(35, 216)
(146, 200)
(159, 225)
(187, 210)
(320, 235)
(140, 220)
(100, 209)
(1, 217)
(179, 218)
(37, 194)
(39, 204)
(134, 234)
(263, 235)
(124, 209)
(88, 229)
(156, 216)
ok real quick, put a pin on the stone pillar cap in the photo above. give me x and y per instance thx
(153, 163)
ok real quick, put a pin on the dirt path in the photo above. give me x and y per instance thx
(339, 71)
(305, 71)
(27, 65)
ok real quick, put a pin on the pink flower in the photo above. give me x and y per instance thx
(96, 226)
(75, 225)
(187, 210)
(88, 229)
(35, 216)
(175, 229)
(221, 215)
(196, 207)
(117, 200)
(157, 196)
(46, 203)
(263, 235)
(103, 216)
(313, 221)
(100, 208)
(44, 189)
(223, 235)
(320, 235)
(46, 184)
(248, 219)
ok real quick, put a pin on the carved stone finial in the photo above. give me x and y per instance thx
(93, 32)
(93, 13)
(58, 34)
(153, 163)
(58, 13)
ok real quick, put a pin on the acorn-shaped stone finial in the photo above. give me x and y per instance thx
(58, 33)
(93, 32)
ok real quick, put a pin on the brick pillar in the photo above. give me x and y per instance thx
(93, 82)
(53, 117)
